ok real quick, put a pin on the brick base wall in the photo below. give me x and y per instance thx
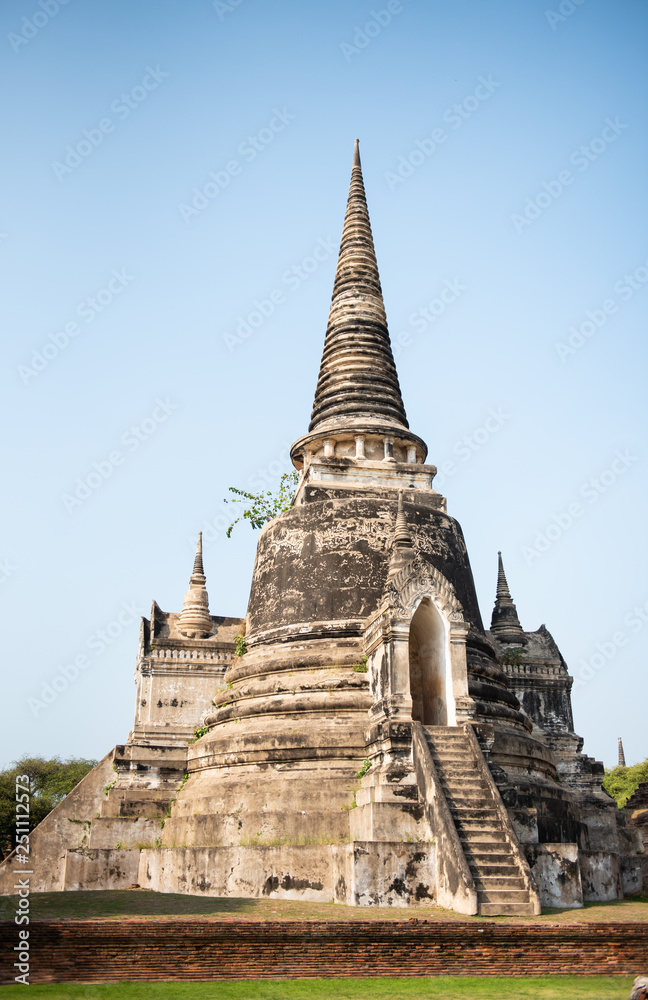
(161, 950)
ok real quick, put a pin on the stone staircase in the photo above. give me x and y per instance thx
(486, 838)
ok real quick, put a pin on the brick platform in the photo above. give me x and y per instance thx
(163, 950)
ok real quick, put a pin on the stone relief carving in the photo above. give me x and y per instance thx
(420, 578)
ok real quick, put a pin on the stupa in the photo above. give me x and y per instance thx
(359, 736)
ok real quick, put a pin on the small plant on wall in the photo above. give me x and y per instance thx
(267, 504)
(513, 656)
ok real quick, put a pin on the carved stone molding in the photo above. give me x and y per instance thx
(420, 579)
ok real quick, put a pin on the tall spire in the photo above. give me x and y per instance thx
(505, 623)
(357, 376)
(622, 762)
(194, 620)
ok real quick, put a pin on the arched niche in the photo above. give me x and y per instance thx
(429, 673)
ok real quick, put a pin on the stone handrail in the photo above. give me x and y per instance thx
(505, 819)
(455, 886)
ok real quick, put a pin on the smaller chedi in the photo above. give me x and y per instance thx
(371, 742)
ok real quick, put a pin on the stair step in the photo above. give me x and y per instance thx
(456, 765)
(487, 871)
(459, 780)
(460, 783)
(503, 895)
(443, 730)
(476, 823)
(489, 883)
(480, 830)
(484, 840)
(489, 850)
(464, 792)
(489, 857)
(456, 759)
(497, 862)
(482, 857)
(475, 812)
(482, 844)
(506, 909)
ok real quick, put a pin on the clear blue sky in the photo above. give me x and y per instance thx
(520, 136)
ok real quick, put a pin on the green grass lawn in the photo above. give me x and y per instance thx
(120, 903)
(439, 988)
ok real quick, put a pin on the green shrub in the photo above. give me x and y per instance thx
(621, 782)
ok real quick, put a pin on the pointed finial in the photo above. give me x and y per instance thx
(503, 593)
(622, 762)
(402, 537)
(198, 561)
(505, 623)
(356, 153)
(194, 621)
(402, 546)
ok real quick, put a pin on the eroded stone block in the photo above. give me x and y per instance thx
(557, 873)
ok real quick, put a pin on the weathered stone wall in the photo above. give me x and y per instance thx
(556, 870)
(360, 874)
(197, 950)
(540, 679)
(67, 826)
(600, 875)
(633, 870)
(328, 559)
(85, 868)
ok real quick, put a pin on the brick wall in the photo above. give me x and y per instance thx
(191, 949)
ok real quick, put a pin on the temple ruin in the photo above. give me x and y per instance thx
(363, 738)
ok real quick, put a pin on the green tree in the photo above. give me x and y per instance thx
(265, 505)
(49, 782)
(621, 782)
